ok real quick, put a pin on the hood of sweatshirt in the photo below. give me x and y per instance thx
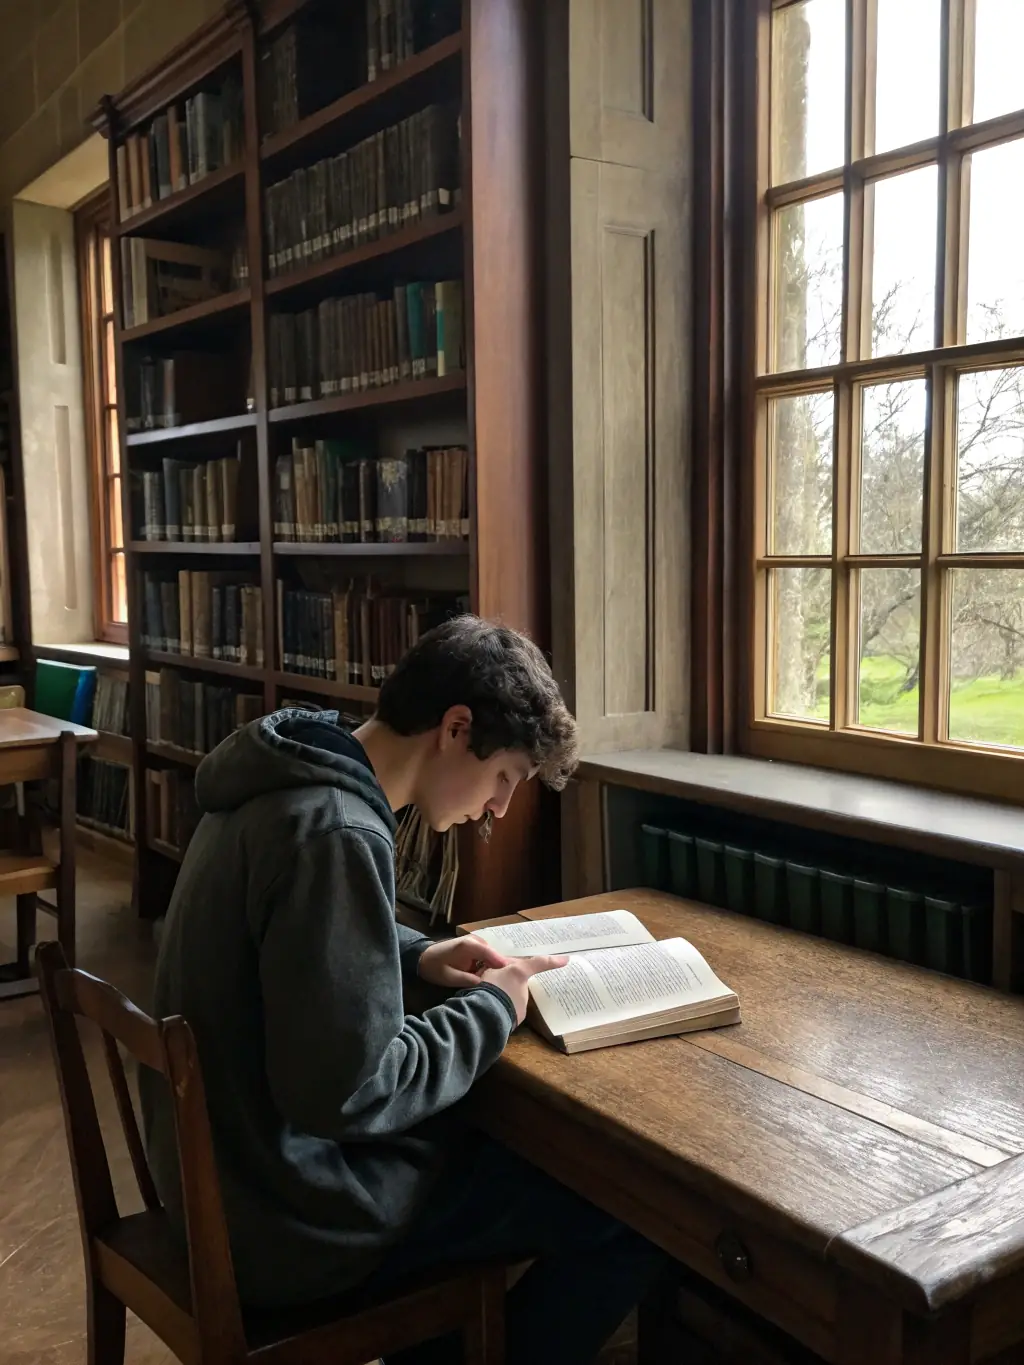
(264, 757)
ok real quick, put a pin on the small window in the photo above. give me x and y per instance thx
(101, 421)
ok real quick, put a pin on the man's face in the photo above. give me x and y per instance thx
(456, 786)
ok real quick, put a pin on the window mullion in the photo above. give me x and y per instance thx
(958, 52)
(858, 19)
(860, 63)
(844, 622)
(939, 460)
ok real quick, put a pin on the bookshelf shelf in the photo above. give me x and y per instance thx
(156, 658)
(164, 849)
(325, 687)
(212, 196)
(408, 392)
(173, 754)
(222, 308)
(191, 430)
(107, 831)
(195, 547)
(111, 748)
(411, 549)
(382, 100)
(395, 244)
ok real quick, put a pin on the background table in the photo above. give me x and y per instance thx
(35, 747)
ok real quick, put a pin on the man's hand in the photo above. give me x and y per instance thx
(458, 962)
(514, 979)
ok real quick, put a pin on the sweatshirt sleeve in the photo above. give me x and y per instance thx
(342, 1058)
(410, 948)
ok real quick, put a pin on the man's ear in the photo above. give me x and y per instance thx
(455, 726)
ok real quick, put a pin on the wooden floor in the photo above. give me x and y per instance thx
(42, 1318)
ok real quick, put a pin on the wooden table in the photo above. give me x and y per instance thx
(846, 1161)
(32, 747)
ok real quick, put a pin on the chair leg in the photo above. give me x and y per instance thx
(484, 1334)
(66, 870)
(26, 931)
(106, 1327)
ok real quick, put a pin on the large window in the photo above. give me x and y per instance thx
(97, 312)
(889, 492)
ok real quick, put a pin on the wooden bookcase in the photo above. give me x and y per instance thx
(492, 240)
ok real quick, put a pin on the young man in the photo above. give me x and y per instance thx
(338, 1162)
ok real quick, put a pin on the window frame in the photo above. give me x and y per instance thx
(931, 759)
(93, 223)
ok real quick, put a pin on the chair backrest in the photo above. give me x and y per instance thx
(168, 1047)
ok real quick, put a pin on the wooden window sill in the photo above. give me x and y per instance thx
(987, 833)
(92, 652)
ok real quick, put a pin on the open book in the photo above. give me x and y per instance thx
(620, 984)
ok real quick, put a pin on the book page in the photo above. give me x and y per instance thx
(572, 934)
(606, 987)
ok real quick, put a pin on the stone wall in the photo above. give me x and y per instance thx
(57, 57)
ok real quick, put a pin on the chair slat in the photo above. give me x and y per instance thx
(129, 1123)
(114, 1013)
(215, 1302)
(94, 1189)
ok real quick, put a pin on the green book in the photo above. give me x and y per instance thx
(64, 690)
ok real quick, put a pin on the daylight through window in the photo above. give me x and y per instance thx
(889, 555)
(97, 307)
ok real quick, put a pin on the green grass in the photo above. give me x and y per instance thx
(982, 710)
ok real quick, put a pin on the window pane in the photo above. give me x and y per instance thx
(892, 467)
(890, 650)
(903, 262)
(986, 702)
(801, 455)
(809, 283)
(118, 596)
(113, 451)
(114, 501)
(109, 372)
(990, 461)
(907, 92)
(808, 89)
(108, 284)
(801, 602)
(995, 262)
(998, 44)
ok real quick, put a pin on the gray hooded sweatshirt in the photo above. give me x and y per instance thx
(282, 951)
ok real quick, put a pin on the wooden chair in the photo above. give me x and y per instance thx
(188, 1296)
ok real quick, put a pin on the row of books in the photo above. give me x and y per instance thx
(421, 495)
(361, 341)
(318, 58)
(171, 390)
(158, 278)
(194, 715)
(355, 634)
(188, 502)
(104, 797)
(110, 703)
(181, 146)
(171, 809)
(397, 29)
(400, 175)
(202, 613)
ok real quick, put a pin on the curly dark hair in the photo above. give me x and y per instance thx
(505, 681)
